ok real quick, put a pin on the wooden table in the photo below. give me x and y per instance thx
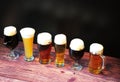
(22, 71)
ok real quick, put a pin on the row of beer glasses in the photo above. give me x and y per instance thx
(44, 41)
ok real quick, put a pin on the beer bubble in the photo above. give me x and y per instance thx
(60, 39)
(96, 48)
(10, 31)
(44, 38)
(27, 32)
(77, 44)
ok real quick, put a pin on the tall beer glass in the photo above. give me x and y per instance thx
(96, 62)
(44, 41)
(11, 40)
(27, 34)
(60, 41)
(76, 52)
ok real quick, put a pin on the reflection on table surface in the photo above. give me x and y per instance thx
(21, 71)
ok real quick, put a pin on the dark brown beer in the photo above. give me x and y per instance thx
(76, 49)
(11, 41)
(76, 55)
(10, 37)
(44, 41)
(44, 51)
(76, 52)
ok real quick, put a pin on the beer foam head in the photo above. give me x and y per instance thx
(77, 44)
(60, 39)
(96, 48)
(44, 38)
(10, 31)
(27, 32)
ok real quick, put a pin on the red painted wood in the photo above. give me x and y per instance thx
(22, 71)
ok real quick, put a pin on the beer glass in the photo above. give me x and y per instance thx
(27, 34)
(76, 52)
(96, 62)
(60, 41)
(11, 41)
(44, 41)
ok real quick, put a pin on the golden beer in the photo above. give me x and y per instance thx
(44, 41)
(28, 36)
(28, 45)
(60, 52)
(96, 63)
(60, 46)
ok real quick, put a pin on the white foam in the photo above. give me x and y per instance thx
(27, 32)
(96, 48)
(77, 44)
(44, 38)
(10, 31)
(60, 39)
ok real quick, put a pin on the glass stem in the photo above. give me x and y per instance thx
(76, 64)
(12, 53)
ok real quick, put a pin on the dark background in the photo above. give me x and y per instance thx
(90, 20)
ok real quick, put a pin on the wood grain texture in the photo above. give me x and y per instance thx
(21, 71)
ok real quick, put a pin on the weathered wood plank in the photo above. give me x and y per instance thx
(20, 70)
(7, 79)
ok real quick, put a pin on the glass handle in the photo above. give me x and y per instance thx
(103, 60)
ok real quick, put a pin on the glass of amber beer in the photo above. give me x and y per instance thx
(76, 52)
(11, 41)
(60, 41)
(27, 34)
(96, 62)
(44, 41)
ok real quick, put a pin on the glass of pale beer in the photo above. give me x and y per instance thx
(76, 52)
(60, 41)
(96, 62)
(11, 41)
(44, 41)
(27, 34)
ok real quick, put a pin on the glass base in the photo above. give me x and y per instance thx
(94, 71)
(14, 55)
(77, 67)
(45, 61)
(60, 64)
(29, 59)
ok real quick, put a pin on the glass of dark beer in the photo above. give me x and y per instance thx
(44, 41)
(11, 41)
(76, 52)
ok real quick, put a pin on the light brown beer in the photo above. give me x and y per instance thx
(95, 64)
(60, 52)
(60, 46)
(96, 59)
(27, 34)
(44, 41)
